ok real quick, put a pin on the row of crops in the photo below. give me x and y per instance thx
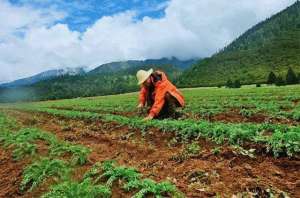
(60, 162)
(279, 140)
(275, 102)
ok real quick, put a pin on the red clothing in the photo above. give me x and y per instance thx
(160, 89)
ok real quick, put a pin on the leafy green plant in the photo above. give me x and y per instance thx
(113, 172)
(24, 149)
(20, 148)
(284, 142)
(192, 149)
(32, 134)
(216, 150)
(7, 123)
(37, 172)
(79, 153)
(94, 171)
(70, 189)
(150, 187)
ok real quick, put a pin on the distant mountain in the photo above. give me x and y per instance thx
(111, 78)
(123, 65)
(45, 76)
(272, 45)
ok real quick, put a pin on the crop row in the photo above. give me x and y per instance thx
(284, 140)
(23, 143)
(97, 182)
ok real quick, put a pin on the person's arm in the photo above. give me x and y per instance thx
(142, 97)
(159, 102)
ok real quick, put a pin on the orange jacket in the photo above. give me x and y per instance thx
(160, 89)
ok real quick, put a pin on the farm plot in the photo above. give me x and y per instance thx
(228, 142)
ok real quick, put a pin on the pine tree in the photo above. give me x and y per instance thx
(229, 84)
(279, 81)
(291, 77)
(237, 84)
(271, 78)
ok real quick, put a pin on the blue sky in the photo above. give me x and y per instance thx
(83, 13)
(38, 35)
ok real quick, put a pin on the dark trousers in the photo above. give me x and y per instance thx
(169, 108)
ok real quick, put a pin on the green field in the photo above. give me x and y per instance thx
(72, 142)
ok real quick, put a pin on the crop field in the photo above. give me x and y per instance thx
(227, 143)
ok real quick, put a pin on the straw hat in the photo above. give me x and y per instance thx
(143, 75)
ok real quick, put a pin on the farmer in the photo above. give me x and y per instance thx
(158, 93)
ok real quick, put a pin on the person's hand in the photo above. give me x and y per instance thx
(149, 117)
(140, 106)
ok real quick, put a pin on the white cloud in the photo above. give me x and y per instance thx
(190, 28)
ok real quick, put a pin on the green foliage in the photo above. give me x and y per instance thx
(21, 142)
(235, 84)
(229, 83)
(79, 153)
(150, 187)
(192, 149)
(285, 142)
(291, 77)
(32, 134)
(6, 123)
(272, 45)
(84, 189)
(272, 78)
(279, 81)
(37, 172)
(22, 149)
(216, 150)
(113, 173)
(131, 180)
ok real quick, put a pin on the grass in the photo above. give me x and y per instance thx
(271, 101)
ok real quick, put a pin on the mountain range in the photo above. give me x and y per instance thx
(110, 78)
(46, 75)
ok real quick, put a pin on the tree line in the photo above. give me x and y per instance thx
(290, 78)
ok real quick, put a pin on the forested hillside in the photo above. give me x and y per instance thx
(272, 45)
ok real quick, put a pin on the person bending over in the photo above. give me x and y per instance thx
(158, 93)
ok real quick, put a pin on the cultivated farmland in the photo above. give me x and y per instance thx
(228, 142)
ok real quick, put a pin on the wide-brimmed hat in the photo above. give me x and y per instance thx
(143, 75)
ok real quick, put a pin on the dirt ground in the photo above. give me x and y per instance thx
(204, 175)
